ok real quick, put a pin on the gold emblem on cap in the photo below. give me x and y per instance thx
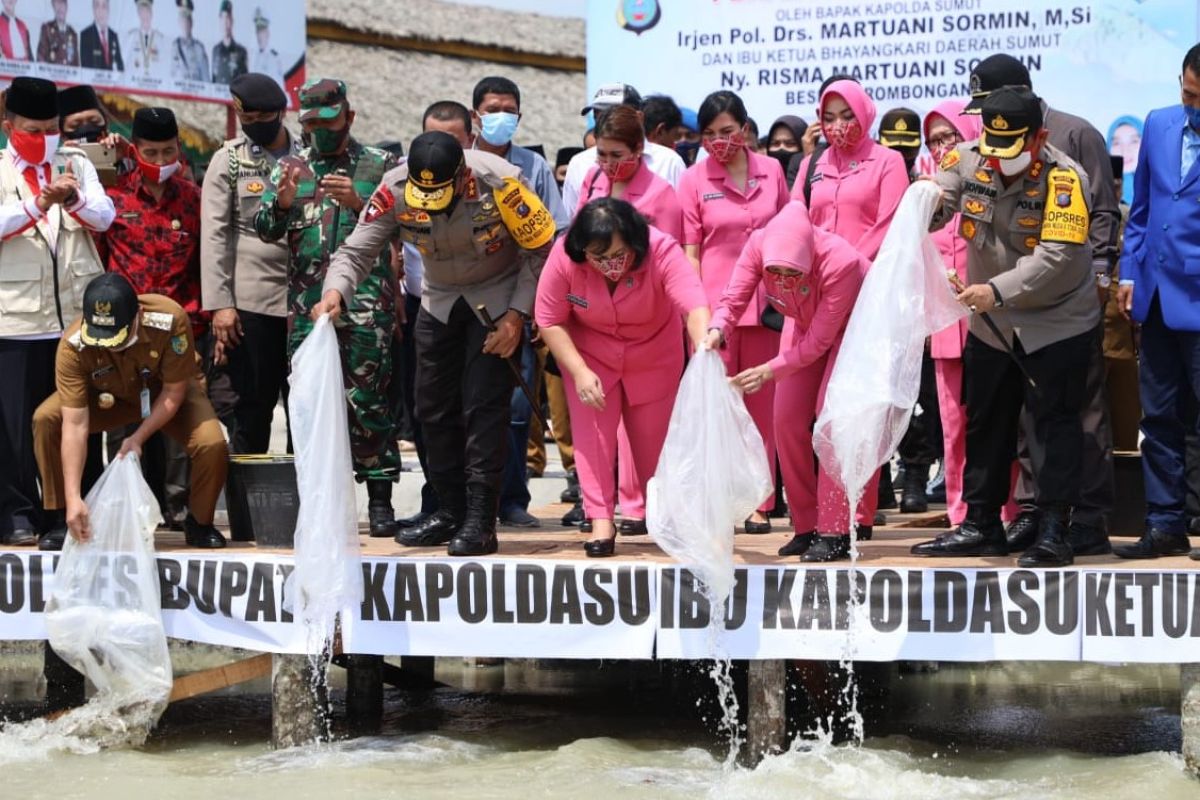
(426, 175)
(176, 224)
(103, 307)
(106, 400)
(901, 125)
(999, 123)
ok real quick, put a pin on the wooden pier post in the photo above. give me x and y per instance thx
(1189, 715)
(766, 717)
(64, 686)
(299, 702)
(364, 693)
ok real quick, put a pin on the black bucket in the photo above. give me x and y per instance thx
(262, 500)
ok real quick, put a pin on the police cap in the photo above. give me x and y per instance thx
(257, 92)
(1010, 116)
(109, 308)
(992, 73)
(900, 127)
(434, 159)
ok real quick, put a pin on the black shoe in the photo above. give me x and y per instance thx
(571, 493)
(203, 536)
(969, 539)
(827, 547)
(53, 539)
(573, 517)
(1088, 540)
(519, 518)
(632, 527)
(1154, 543)
(437, 529)
(20, 537)
(798, 544)
(887, 492)
(380, 515)
(1194, 526)
(1022, 532)
(411, 522)
(477, 536)
(865, 532)
(1053, 545)
(1195, 554)
(757, 527)
(600, 548)
(585, 526)
(912, 498)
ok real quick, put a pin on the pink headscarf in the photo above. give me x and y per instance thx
(788, 239)
(969, 126)
(856, 97)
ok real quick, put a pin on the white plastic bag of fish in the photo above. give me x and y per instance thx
(104, 615)
(873, 389)
(712, 474)
(328, 574)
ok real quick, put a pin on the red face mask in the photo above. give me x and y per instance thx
(622, 170)
(613, 268)
(787, 293)
(34, 148)
(157, 173)
(843, 134)
(724, 148)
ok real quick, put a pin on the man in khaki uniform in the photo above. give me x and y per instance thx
(129, 357)
(483, 237)
(1025, 213)
(243, 280)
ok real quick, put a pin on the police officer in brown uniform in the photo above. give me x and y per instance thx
(129, 357)
(483, 236)
(1025, 213)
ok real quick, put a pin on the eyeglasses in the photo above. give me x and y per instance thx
(945, 140)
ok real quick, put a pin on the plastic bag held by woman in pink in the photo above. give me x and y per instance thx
(812, 277)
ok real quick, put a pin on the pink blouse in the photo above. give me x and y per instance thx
(651, 195)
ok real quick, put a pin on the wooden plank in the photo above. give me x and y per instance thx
(1189, 715)
(766, 717)
(210, 680)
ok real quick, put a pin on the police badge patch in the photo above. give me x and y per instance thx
(382, 201)
(179, 344)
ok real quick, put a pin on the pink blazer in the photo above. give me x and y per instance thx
(647, 192)
(633, 335)
(719, 218)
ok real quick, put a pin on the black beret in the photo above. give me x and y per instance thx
(33, 98)
(74, 99)
(154, 124)
(257, 92)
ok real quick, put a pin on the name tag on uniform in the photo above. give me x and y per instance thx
(713, 196)
(576, 300)
(100, 373)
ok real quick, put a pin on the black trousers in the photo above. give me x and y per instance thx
(462, 401)
(403, 396)
(246, 390)
(1096, 491)
(995, 392)
(27, 368)
(922, 443)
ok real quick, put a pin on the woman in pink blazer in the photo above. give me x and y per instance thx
(812, 277)
(725, 198)
(610, 305)
(945, 127)
(855, 188)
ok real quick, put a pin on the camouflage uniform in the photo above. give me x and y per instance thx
(316, 226)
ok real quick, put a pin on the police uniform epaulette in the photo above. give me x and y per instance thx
(161, 320)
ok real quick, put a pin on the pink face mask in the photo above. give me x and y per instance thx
(612, 268)
(724, 148)
(788, 293)
(940, 152)
(843, 134)
(621, 171)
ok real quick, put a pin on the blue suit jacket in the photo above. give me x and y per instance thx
(1162, 239)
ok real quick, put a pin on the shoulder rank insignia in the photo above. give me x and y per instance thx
(159, 320)
(1035, 171)
(1065, 219)
(950, 160)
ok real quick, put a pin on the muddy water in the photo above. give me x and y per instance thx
(528, 730)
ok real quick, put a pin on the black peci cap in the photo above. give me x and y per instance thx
(74, 99)
(1010, 116)
(565, 154)
(991, 74)
(257, 92)
(155, 124)
(33, 98)
(900, 127)
(434, 159)
(109, 308)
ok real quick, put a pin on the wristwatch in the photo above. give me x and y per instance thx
(1103, 280)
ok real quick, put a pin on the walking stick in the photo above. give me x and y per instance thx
(987, 320)
(515, 367)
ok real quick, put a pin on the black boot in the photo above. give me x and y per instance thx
(887, 492)
(798, 544)
(912, 499)
(1089, 540)
(827, 547)
(56, 531)
(1022, 532)
(380, 514)
(199, 535)
(981, 534)
(1053, 547)
(574, 517)
(477, 536)
(440, 526)
(1155, 542)
(571, 493)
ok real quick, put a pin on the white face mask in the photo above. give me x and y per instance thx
(1011, 167)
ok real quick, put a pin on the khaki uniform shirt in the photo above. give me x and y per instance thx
(1028, 240)
(469, 253)
(163, 348)
(237, 269)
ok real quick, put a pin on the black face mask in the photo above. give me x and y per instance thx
(687, 151)
(262, 133)
(784, 157)
(88, 132)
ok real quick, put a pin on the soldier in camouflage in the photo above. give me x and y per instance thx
(315, 202)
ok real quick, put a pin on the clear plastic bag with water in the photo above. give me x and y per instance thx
(104, 615)
(712, 474)
(873, 388)
(328, 574)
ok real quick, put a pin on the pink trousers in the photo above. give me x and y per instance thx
(747, 347)
(596, 449)
(816, 499)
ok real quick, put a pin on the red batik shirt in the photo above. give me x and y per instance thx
(155, 244)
